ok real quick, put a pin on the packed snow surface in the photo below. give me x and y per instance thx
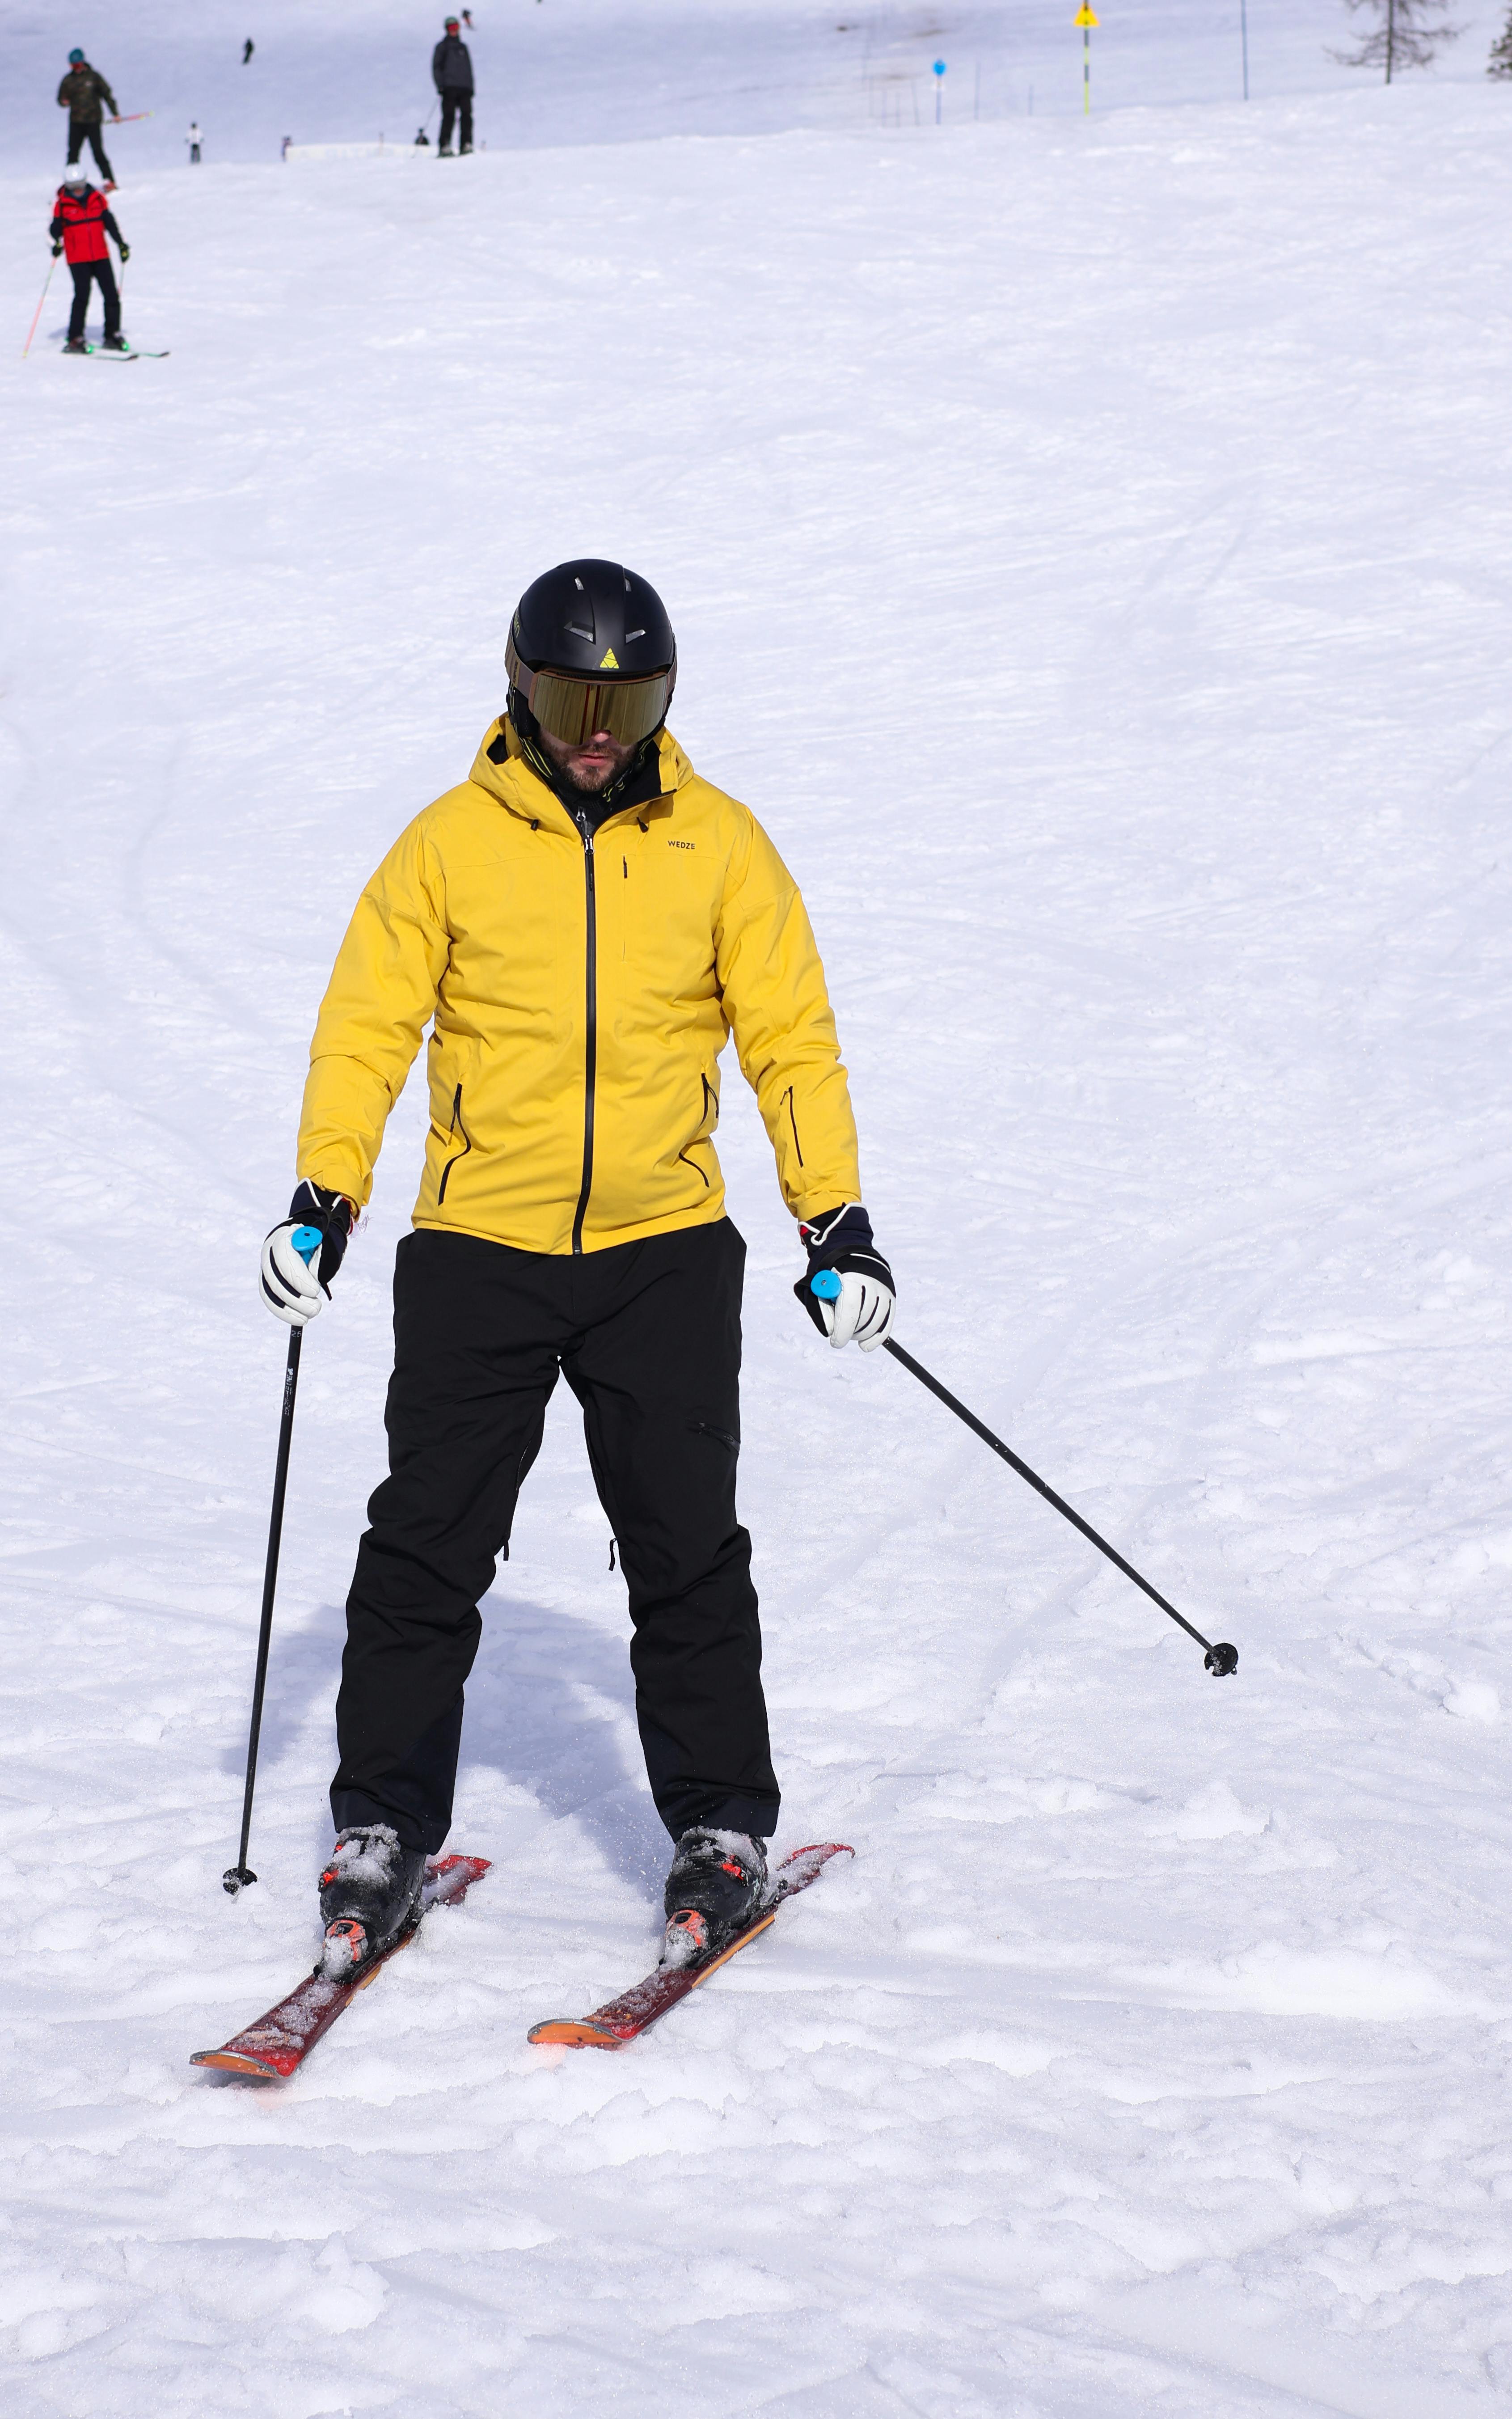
(1088, 549)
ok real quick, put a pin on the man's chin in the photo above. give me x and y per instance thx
(591, 779)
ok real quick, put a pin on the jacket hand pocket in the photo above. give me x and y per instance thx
(708, 1120)
(460, 1141)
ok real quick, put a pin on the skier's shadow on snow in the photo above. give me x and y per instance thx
(303, 1670)
(551, 1705)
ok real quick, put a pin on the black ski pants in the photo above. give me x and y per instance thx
(88, 132)
(84, 273)
(648, 1337)
(453, 105)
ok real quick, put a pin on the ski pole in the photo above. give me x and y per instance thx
(306, 1241)
(1220, 1660)
(38, 312)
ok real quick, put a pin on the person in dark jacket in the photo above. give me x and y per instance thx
(451, 70)
(86, 96)
(82, 219)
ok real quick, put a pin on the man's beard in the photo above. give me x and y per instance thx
(587, 783)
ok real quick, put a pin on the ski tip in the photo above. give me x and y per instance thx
(233, 2061)
(574, 2032)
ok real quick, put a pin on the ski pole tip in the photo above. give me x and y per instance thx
(236, 1879)
(1221, 1659)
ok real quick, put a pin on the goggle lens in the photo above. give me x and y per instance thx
(572, 708)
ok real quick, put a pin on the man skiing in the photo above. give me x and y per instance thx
(451, 71)
(586, 921)
(82, 219)
(85, 95)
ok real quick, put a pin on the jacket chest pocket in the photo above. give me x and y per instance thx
(666, 920)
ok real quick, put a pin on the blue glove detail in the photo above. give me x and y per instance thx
(330, 1218)
(825, 1284)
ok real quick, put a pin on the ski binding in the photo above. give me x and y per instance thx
(270, 2050)
(635, 2012)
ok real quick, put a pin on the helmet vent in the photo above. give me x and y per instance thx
(633, 634)
(578, 584)
(576, 630)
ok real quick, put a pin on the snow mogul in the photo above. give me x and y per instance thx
(82, 219)
(583, 922)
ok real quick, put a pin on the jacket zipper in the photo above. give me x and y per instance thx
(591, 1042)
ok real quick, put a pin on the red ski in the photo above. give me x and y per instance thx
(627, 2018)
(271, 2049)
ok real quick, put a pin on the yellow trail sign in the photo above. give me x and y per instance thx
(1084, 16)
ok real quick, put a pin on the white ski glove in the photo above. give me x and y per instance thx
(848, 1292)
(303, 1254)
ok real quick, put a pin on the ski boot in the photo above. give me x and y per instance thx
(368, 1892)
(714, 1890)
(445, 151)
(76, 345)
(117, 345)
(466, 151)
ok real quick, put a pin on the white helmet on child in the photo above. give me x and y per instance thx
(73, 176)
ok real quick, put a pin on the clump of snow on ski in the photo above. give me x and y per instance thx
(270, 2050)
(636, 2011)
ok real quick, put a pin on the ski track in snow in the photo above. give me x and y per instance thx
(1087, 548)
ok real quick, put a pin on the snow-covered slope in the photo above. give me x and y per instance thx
(562, 71)
(1088, 546)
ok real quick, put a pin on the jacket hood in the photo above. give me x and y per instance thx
(523, 792)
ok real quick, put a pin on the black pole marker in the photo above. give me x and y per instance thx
(306, 1241)
(1220, 1660)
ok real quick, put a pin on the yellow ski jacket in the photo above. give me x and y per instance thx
(580, 994)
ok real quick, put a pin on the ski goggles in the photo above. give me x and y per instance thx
(572, 706)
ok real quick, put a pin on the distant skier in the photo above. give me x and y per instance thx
(571, 1222)
(247, 53)
(193, 138)
(82, 219)
(451, 70)
(86, 96)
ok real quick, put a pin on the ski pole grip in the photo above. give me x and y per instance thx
(825, 1284)
(307, 1241)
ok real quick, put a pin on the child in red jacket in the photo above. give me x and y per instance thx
(82, 219)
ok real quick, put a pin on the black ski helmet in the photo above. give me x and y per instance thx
(605, 629)
(575, 617)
